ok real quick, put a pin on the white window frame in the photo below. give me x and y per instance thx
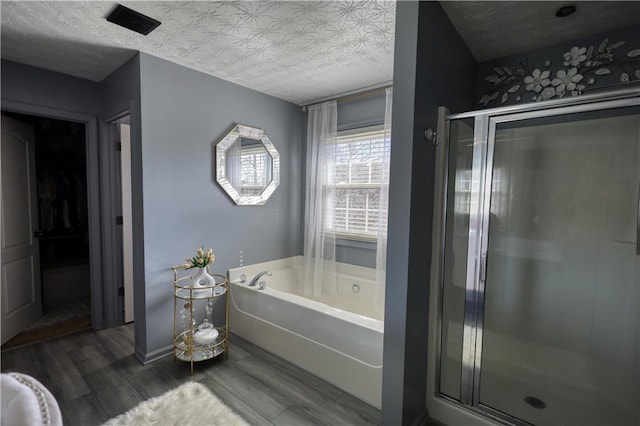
(245, 154)
(375, 131)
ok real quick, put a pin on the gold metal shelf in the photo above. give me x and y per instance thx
(192, 301)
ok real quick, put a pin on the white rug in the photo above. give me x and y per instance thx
(189, 404)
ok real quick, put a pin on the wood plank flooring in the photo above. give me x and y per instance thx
(94, 376)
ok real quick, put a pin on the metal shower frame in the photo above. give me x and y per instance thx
(485, 123)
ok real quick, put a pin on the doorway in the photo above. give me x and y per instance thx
(60, 230)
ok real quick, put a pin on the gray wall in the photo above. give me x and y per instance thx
(551, 58)
(361, 112)
(120, 92)
(184, 113)
(432, 67)
(177, 115)
(36, 86)
(40, 92)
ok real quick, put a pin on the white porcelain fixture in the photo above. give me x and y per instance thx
(339, 340)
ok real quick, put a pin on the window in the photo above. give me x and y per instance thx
(255, 173)
(354, 197)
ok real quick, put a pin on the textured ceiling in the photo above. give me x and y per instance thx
(492, 29)
(297, 51)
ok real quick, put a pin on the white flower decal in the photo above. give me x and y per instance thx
(582, 68)
(537, 80)
(575, 56)
(566, 80)
(578, 91)
(485, 100)
(547, 93)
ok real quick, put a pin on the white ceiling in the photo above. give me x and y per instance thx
(298, 51)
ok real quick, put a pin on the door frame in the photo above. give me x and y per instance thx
(469, 409)
(97, 186)
(112, 171)
(125, 208)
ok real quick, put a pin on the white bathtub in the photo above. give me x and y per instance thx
(338, 340)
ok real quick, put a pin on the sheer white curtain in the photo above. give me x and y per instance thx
(319, 241)
(381, 246)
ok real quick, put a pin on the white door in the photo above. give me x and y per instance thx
(21, 291)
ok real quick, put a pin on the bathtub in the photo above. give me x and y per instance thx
(339, 340)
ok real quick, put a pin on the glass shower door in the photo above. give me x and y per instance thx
(456, 240)
(560, 322)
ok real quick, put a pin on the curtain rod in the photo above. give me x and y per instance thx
(351, 96)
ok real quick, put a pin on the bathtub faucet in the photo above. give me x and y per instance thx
(255, 279)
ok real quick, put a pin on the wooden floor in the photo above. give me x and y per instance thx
(94, 376)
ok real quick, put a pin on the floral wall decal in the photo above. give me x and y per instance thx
(581, 68)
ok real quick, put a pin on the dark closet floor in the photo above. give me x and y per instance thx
(66, 311)
(58, 321)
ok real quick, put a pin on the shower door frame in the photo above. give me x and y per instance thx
(485, 123)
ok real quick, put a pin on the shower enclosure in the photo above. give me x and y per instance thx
(536, 286)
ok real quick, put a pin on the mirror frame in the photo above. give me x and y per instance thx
(222, 146)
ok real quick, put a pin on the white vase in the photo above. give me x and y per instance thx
(202, 279)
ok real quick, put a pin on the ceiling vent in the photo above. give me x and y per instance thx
(135, 21)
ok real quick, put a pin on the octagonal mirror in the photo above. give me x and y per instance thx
(247, 165)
